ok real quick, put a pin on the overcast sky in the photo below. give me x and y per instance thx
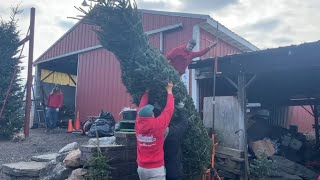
(265, 23)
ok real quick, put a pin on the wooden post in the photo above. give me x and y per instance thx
(316, 123)
(29, 77)
(242, 120)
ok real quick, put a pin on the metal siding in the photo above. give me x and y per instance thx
(171, 39)
(279, 116)
(80, 37)
(99, 85)
(154, 21)
(223, 47)
(175, 38)
(155, 40)
(300, 117)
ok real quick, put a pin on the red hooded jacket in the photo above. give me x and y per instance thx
(150, 134)
(55, 100)
(180, 58)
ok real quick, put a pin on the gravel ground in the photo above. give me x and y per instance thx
(39, 142)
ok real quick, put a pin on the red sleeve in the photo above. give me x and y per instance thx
(165, 117)
(60, 100)
(173, 53)
(200, 53)
(144, 100)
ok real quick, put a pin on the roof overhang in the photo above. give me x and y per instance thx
(285, 75)
(220, 31)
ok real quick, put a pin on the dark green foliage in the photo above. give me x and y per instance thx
(144, 67)
(99, 168)
(261, 167)
(13, 115)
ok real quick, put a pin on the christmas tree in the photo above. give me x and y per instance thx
(120, 30)
(12, 117)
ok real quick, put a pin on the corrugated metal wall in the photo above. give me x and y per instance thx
(99, 85)
(300, 117)
(279, 116)
(224, 48)
(78, 38)
(173, 38)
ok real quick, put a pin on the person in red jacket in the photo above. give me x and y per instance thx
(54, 103)
(150, 133)
(182, 56)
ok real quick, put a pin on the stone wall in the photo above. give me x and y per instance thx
(121, 157)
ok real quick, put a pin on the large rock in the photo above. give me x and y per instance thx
(55, 171)
(44, 157)
(78, 174)
(69, 147)
(61, 157)
(73, 159)
(102, 141)
(27, 169)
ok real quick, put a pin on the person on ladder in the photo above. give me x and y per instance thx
(181, 56)
(55, 101)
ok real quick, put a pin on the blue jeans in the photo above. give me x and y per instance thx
(52, 118)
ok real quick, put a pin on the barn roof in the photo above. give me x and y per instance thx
(209, 24)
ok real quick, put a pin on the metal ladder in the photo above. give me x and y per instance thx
(39, 109)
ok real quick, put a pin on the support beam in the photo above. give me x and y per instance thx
(29, 77)
(242, 121)
(307, 111)
(315, 110)
(47, 76)
(24, 40)
(74, 82)
(251, 80)
(161, 42)
(231, 82)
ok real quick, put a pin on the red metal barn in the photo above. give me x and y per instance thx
(91, 75)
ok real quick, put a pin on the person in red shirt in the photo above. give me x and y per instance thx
(182, 56)
(54, 103)
(150, 132)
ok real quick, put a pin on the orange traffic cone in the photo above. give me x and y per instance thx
(70, 126)
(77, 123)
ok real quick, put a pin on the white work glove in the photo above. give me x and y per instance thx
(57, 109)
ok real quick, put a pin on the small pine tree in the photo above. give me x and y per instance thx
(98, 167)
(13, 114)
(262, 166)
